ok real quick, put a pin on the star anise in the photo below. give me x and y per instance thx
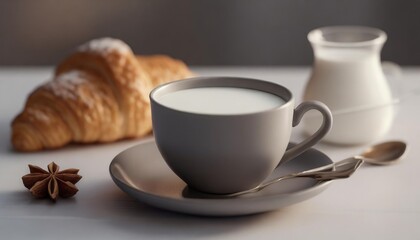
(52, 183)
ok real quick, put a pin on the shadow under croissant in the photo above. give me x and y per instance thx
(75, 145)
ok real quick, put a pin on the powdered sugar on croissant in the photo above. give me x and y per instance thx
(98, 94)
(105, 46)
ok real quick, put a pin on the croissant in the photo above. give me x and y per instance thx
(98, 94)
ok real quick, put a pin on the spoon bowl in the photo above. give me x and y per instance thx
(385, 153)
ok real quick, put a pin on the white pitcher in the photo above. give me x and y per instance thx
(347, 76)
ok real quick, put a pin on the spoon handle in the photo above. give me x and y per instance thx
(341, 169)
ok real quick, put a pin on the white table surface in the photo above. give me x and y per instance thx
(375, 203)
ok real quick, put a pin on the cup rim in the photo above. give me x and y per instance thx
(317, 36)
(220, 81)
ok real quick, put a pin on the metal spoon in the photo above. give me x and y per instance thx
(385, 153)
(380, 154)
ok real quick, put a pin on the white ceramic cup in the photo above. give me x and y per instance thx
(229, 153)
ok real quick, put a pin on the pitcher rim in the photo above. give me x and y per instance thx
(316, 36)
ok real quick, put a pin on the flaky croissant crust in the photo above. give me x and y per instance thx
(98, 94)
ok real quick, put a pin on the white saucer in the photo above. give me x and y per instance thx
(141, 172)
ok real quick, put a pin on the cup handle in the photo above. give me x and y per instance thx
(314, 138)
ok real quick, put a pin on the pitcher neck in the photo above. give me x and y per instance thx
(347, 54)
(347, 42)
